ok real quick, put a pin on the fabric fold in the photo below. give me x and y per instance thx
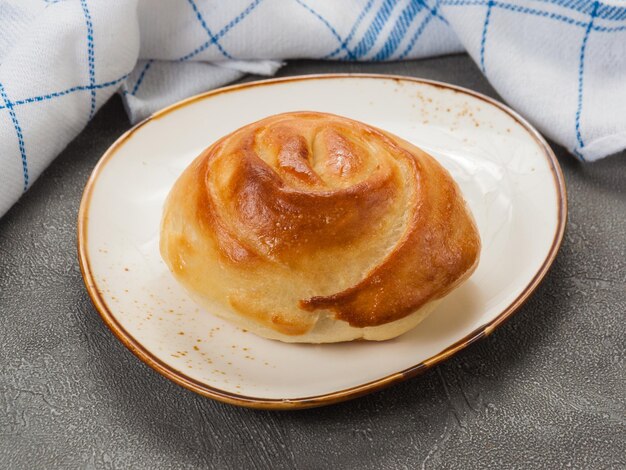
(559, 63)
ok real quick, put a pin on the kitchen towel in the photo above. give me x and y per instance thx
(560, 63)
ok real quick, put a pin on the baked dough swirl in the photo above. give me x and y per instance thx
(311, 227)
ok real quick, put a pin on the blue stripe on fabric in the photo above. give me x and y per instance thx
(329, 26)
(436, 10)
(431, 14)
(141, 76)
(578, 155)
(18, 130)
(534, 12)
(346, 41)
(586, 7)
(371, 35)
(611, 12)
(212, 37)
(222, 32)
(399, 31)
(483, 39)
(456, 3)
(581, 73)
(57, 94)
(90, 56)
(604, 29)
(578, 5)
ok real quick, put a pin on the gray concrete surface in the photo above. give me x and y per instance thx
(547, 390)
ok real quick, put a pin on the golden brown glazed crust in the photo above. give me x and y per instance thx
(302, 213)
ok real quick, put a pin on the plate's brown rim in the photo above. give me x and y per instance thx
(309, 402)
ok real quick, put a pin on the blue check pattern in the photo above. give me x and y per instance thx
(236, 33)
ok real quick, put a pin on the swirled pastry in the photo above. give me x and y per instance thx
(311, 227)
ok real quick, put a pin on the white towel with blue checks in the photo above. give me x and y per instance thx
(560, 63)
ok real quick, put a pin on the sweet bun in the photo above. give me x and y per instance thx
(311, 227)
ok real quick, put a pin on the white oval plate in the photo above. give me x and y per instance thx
(507, 173)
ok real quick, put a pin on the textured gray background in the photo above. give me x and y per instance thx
(548, 389)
